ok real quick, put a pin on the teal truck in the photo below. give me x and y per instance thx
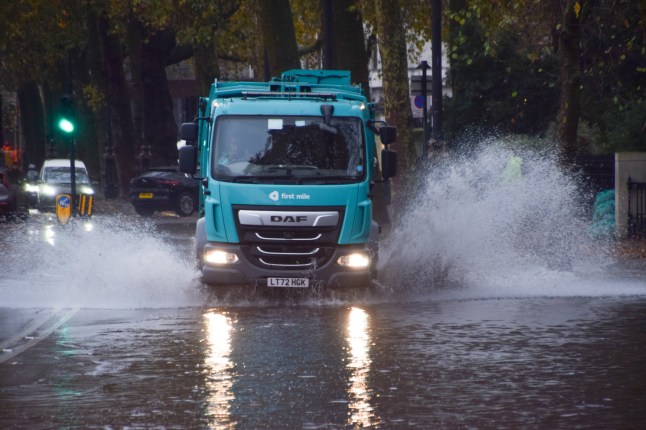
(287, 170)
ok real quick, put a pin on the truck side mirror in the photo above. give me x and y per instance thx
(388, 164)
(188, 132)
(388, 134)
(188, 159)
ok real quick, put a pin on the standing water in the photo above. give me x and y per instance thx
(110, 262)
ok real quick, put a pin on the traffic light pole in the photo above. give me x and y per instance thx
(424, 66)
(67, 124)
(73, 175)
(436, 63)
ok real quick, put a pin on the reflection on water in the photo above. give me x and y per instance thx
(359, 394)
(218, 363)
(49, 234)
(49, 230)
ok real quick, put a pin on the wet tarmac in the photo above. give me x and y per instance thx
(541, 363)
(109, 327)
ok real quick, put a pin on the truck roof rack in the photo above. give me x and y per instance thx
(296, 83)
(289, 94)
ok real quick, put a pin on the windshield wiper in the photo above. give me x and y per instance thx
(264, 179)
(258, 179)
(332, 179)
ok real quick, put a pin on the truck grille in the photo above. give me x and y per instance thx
(289, 238)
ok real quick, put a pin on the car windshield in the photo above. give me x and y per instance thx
(61, 175)
(156, 173)
(293, 149)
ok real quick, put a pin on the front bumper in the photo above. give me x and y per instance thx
(160, 200)
(330, 275)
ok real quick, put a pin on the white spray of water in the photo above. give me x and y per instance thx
(478, 230)
(469, 233)
(118, 264)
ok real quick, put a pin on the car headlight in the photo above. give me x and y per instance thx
(86, 190)
(219, 257)
(356, 260)
(30, 188)
(48, 190)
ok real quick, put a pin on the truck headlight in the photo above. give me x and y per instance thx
(357, 260)
(219, 257)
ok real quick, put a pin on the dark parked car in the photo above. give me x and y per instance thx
(13, 200)
(164, 188)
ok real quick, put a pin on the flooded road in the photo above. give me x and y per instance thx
(108, 326)
(83, 354)
(490, 363)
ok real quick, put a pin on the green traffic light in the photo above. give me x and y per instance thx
(66, 125)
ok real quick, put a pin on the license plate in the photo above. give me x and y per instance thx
(288, 282)
(145, 195)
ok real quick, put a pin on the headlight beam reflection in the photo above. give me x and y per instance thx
(218, 379)
(359, 394)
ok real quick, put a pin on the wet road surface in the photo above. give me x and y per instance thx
(503, 363)
(139, 343)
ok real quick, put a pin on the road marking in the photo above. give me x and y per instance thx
(10, 353)
(46, 316)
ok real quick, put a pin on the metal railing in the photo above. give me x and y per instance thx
(636, 209)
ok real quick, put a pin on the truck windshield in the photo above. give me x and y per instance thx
(299, 149)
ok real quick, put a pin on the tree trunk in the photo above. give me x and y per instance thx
(119, 106)
(277, 27)
(392, 48)
(160, 129)
(349, 42)
(641, 7)
(207, 67)
(569, 54)
(33, 123)
(134, 38)
(455, 7)
(87, 147)
(97, 79)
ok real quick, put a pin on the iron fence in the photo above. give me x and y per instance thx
(636, 209)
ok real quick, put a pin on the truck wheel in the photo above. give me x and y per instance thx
(373, 245)
(200, 240)
(185, 204)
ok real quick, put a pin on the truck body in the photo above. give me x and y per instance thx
(287, 170)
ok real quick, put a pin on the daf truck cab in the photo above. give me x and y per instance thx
(288, 173)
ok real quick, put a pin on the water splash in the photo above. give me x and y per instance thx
(117, 263)
(472, 225)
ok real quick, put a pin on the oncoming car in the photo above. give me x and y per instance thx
(55, 178)
(162, 189)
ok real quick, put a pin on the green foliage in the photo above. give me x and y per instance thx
(505, 76)
(625, 127)
(503, 68)
(614, 74)
(498, 89)
(94, 98)
(35, 37)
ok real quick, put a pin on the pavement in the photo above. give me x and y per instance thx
(632, 248)
(113, 206)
